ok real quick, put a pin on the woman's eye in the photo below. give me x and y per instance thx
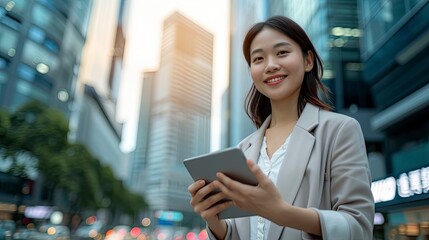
(257, 59)
(281, 53)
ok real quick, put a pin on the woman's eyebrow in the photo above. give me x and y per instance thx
(255, 51)
(280, 44)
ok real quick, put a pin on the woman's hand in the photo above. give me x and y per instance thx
(207, 205)
(262, 199)
(204, 202)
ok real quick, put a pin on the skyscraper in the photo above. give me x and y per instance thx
(93, 121)
(395, 53)
(180, 113)
(40, 51)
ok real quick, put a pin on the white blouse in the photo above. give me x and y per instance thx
(260, 226)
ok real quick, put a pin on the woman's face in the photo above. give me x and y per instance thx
(277, 65)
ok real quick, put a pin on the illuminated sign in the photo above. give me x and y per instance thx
(169, 216)
(40, 212)
(409, 184)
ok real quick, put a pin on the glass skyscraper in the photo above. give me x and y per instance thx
(175, 116)
(40, 47)
(395, 54)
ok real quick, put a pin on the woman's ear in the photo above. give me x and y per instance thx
(309, 59)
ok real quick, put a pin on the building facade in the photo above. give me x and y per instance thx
(177, 124)
(93, 121)
(395, 50)
(40, 51)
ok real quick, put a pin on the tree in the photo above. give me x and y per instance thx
(35, 138)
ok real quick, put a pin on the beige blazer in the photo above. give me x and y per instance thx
(325, 168)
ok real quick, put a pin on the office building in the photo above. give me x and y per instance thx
(40, 51)
(395, 50)
(138, 158)
(93, 121)
(178, 124)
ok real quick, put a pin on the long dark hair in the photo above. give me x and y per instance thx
(257, 105)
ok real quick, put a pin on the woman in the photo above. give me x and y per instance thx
(311, 164)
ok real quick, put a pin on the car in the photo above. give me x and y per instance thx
(53, 232)
(7, 228)
(88, 231)
(119, 232)
(25, 234)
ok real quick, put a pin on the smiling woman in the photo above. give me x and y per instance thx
(310, 163)
(278, 70)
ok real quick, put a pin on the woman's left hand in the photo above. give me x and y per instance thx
(262, 199)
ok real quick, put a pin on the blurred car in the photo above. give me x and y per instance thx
(53, 232)
(25, 234)
(138, 233)
(120, 232)
(7, 228)
(88, 231)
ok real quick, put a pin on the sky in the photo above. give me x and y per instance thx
(142, 52)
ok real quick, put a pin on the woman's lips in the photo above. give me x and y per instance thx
(275, 80)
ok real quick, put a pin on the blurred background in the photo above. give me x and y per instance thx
(101, 100)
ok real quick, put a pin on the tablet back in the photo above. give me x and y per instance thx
(232, 163)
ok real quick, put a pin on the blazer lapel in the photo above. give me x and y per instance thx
(251, 148)
(295, 162)
(293, 166)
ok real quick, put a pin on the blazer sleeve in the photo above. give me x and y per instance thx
(352, 213)
(230, 235)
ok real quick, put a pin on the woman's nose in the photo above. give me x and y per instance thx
(272, 66)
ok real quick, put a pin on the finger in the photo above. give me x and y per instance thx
(254, 168)
(227, 186)
(210, 202)
(203, 193)
(231, 184)
(195, 186)
(215, 209)
(227, 181)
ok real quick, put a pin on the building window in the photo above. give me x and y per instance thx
(57, 6)
(8, 20)
(30, 74)
(4, 63)
(26, 91)
(26, 72)
(39, 58)
(16, 7)
(48, 20)
(3, 80)
(79, 15)
(380, 16)
(39, 35)
(8, 41)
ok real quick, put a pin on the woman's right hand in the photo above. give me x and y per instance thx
(205, 203)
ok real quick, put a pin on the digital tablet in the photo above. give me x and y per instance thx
(231, 162)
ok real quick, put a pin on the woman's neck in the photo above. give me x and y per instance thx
(283, 114)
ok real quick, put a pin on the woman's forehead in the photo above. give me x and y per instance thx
(269, 37)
